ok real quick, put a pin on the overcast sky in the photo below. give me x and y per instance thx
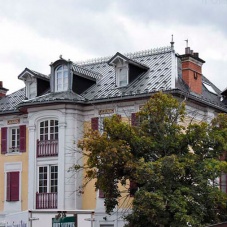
(33, 33)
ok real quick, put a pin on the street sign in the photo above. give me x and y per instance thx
(64, 222)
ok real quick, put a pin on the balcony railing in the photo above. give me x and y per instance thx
(46, 200)
(47, 148)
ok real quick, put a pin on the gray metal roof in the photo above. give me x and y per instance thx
(158, 77)
(160, 74)
(55, 97)
(9, 103)
(86, 72)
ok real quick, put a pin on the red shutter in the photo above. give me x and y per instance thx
(133, 188)
(101, 194)
(14, 186)
(22, 138)
(8, 187)
(134, 119)
(12, 193)
(95, 123)
(119, 116)
(4, 140)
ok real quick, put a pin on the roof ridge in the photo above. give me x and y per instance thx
(136, 54)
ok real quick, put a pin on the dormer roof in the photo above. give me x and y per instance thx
(115, 59)
(28, 72)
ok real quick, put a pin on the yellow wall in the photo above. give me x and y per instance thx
(89, 195)
(22, 157)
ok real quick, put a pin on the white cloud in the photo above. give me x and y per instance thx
(34, 36)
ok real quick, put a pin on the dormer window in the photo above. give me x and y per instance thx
(61, 78)
(122, 76)
(126, 69)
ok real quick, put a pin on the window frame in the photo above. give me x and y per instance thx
(7, 136)
(61, 75)
(11, 148)
(51, 183)
(119, 75)
(48, 135)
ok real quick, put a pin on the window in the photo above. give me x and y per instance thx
(12, 192)
(97, 123)
(48, 130)
(13, 139)
(61, 78)
(122, 76)
(48, 179)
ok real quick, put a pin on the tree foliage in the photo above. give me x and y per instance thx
(176, 167)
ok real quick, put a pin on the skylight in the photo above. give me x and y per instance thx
(209, 88)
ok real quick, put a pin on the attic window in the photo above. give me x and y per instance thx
(61, 78)
(209, 88)
(122, 76)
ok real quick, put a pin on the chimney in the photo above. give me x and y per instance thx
(2, 90)
(192, 70)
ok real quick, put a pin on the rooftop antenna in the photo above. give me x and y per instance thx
(186, 40)
(172, 43)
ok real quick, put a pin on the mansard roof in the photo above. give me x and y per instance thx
(9, 103)
(158, 77)
(161, 74)
(55, 97)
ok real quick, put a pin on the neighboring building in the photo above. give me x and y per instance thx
(41, 124)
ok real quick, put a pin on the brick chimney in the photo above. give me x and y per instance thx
(192, 70)
(2, 90)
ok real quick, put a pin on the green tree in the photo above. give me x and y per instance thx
(175, 167)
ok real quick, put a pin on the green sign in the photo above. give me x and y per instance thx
(64, 222)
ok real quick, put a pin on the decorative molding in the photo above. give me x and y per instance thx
(31, 128)
(62, 125)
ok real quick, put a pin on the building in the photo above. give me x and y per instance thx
(41, 124)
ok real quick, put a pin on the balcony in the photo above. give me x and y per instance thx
(46, 200)
(47, 148)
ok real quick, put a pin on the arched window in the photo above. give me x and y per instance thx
(61, 78)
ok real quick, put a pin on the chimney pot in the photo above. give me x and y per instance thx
(191, 52)
(196, 55)
(0, 84)
(187, 50)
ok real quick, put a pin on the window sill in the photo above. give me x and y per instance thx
(13, 154)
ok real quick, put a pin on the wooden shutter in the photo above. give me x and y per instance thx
(133, 187)
(8, 186)
(95, 123)
(4, 140)
(101, 194)
(119, 117)
(134, 119)
(22, 138)
(12, 193)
